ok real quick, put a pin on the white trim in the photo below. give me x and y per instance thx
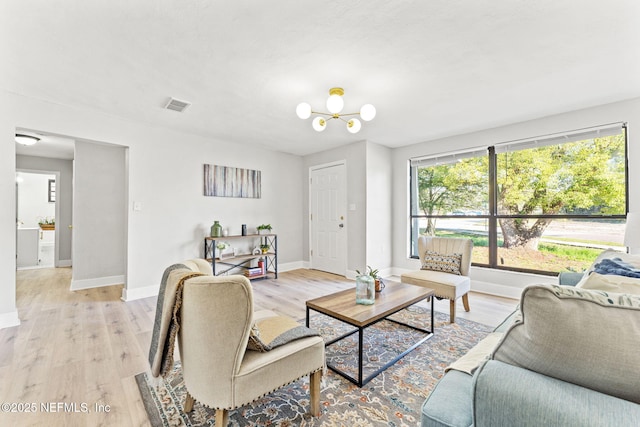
(10, 319)
(96, 283)
(288, 266)
(139, 293)
(64, 263)
(496, 289)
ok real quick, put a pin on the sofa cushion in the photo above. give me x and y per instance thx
(508, 396)
(447, 263)
(445, 285)
(450, 403)
(610, 283)
(586, 337)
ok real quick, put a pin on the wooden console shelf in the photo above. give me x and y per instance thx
(242, 261)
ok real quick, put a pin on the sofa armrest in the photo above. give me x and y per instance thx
(507, 395)
(569, 278)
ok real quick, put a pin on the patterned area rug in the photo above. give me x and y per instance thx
(393, 398)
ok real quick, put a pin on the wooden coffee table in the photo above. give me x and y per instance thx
(342, 306)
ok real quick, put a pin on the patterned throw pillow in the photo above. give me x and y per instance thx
(440, 262)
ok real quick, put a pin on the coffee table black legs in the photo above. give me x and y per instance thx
(360, 381)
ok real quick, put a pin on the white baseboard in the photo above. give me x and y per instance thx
(64, 263)
(288, 266)
(96, 283)
(496, 289)
(139, 293)
(10, 319)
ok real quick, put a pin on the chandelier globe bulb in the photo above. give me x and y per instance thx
(367, 112)
(303, 110)
(319, 124)
(354, 125)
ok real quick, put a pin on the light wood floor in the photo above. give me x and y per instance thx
(84, 348)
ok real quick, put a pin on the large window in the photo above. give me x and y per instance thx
(546, 205)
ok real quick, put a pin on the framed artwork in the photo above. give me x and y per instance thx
(225, 181)
(52, 191)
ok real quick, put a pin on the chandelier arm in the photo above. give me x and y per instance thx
(319, 112)
(350, 114)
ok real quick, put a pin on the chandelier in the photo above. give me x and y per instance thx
(335, 105)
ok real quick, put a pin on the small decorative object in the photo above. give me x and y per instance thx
(47, 223)
(264, 229)
(225, 232)
(244, 229)
(365, 290)
(216, 229)
(379, 284)
(220, 247)
(264, 248)
(256, 251)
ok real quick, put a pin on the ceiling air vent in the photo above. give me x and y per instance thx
(176, 105)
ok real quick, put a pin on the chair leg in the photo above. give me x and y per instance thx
(188, 403)
(452, 311)
(222, 418)
(465, 302)
(314, 391)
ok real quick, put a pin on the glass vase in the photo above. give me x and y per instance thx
(365, 290)
(216, 229)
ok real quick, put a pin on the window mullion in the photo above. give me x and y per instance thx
(493, 208)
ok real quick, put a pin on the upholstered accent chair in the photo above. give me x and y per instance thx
(445, 283)
(216, 319)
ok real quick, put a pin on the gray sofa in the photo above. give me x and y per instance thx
(569, 356)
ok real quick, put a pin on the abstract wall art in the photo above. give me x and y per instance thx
(225, 181)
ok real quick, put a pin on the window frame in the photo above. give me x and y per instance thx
(493, 216)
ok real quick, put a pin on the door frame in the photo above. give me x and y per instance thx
(346, 222)
(56, 239)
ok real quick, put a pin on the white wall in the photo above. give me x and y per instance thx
(379, 207)
(33, 199)
(64, 199)
(99, 215)
(166, 178)
(8, 311)
(501, 282)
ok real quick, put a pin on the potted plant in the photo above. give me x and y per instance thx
(264, 248)
(264, 229)
(374, 275)
(47, 223)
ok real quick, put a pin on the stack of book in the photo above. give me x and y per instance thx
(254, 271)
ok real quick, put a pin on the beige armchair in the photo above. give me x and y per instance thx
(446, 285)
(219, 372)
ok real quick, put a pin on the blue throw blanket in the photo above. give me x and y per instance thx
(616, 266)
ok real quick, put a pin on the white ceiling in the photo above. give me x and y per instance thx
(432, 68)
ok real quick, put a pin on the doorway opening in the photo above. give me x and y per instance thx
(36, 213)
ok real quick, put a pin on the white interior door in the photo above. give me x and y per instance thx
(328, 225)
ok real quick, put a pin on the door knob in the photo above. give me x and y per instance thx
(341, 225)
